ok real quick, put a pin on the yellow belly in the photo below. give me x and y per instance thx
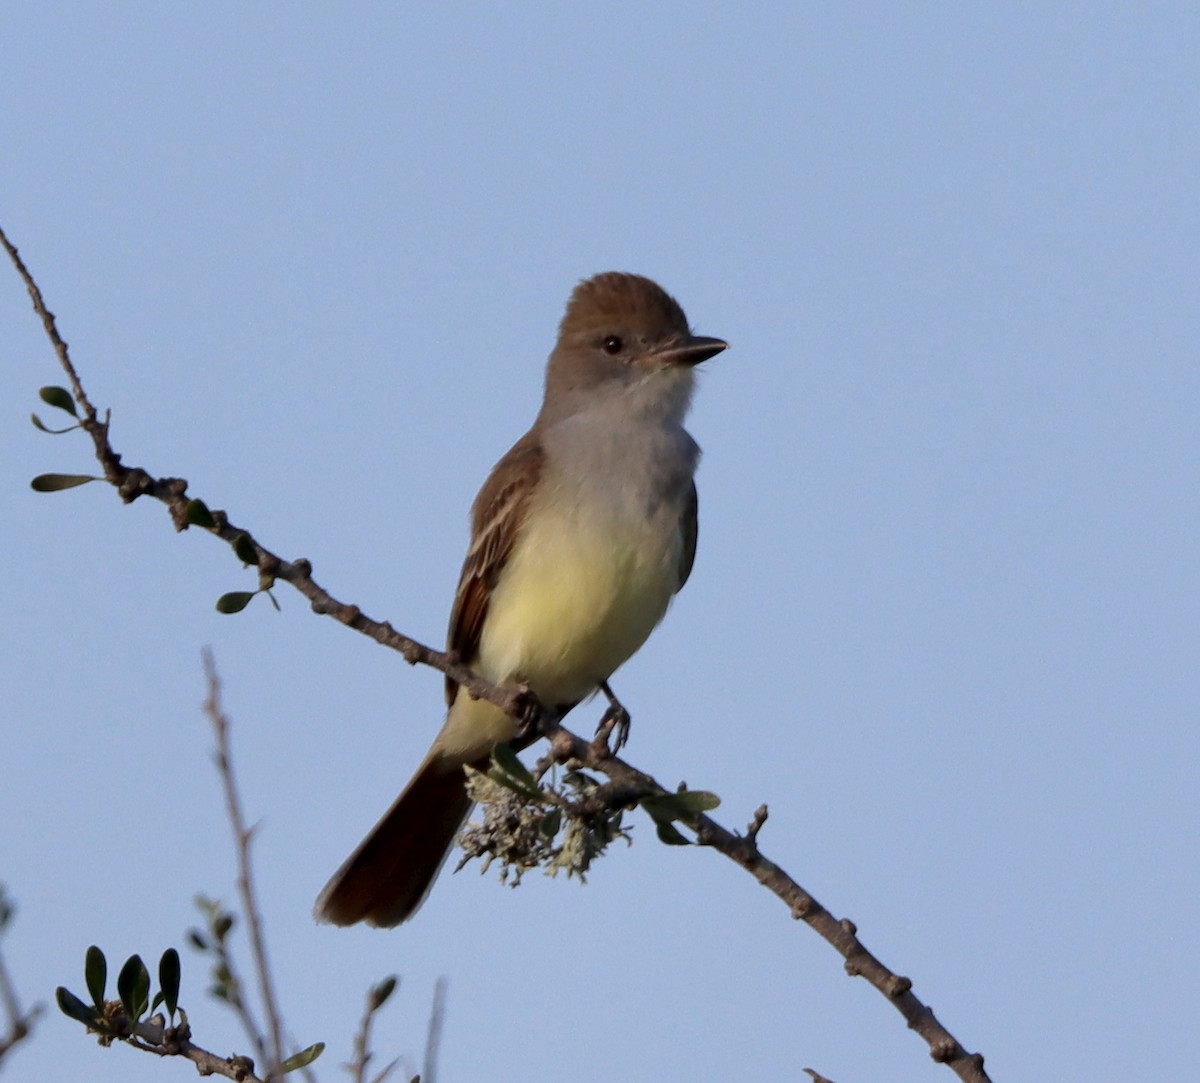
(579, 595)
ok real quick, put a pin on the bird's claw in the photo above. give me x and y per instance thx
(615, 721)
(529, 716)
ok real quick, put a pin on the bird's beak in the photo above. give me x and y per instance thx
(691, 350)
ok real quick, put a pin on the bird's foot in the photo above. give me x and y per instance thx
(529, 716)
(615, 721)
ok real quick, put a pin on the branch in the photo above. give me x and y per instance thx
(433, 1037)
(133, 482)
(153, 1036)
(376, 998)
(20, 1023)
(743, 851)
(242, 837)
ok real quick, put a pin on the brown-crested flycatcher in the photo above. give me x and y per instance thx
(579, 538)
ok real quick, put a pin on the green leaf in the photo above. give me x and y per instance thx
(52, 483)
(208, 907)
(38, 423)
(663, 808)
(168, 979)
(511, 773)
(133, 987)
(691, 802)
(302, 1059)
(235, 601)
(667, 833)
(70, 1005)
(196, 939)
(506, 759)
(244, 547)
(550, 824)
(380, 993)
(685, 805)
(58, 397)
(198, 514)
(95, 973)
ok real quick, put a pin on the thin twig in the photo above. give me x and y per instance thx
(433, 1039)
(243, 836)
(47, 318)
(153, 1036)
(363, 1056)
(742, 849)
(362, 1044)
(20, 1023)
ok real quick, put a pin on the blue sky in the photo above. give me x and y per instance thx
(944, 615)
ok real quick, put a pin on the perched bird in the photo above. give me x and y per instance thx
(580, 536)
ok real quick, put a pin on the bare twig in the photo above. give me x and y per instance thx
(243, 836)
(742, 849)
(20, 1023)
(433, 1039)
(153, 1036)
(134, 482)
(376, 998)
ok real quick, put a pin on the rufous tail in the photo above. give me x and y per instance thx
(387, 878)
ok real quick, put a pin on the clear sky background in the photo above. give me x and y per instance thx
(944, 618)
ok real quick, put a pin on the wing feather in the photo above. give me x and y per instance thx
(496, 518)
(689, 525)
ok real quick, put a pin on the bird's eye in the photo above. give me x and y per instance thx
(613, 344)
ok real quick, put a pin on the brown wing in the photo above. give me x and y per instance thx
(496, 516)
(689, 524)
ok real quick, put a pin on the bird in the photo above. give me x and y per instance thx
(580, 537)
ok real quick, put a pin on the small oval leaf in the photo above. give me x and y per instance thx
(58, 397)
(52, 483)
(196, 939)
(133, 987)
(244, 547)
(302, 1059)
(511, 773)
(507, 760)
(668, 834)
(381, 992)
(235, 601)
(95, 973)
(685, 805)
(70, 1005)
(198, 514)
(168, 979)
(695, 801)
(38, 423)
(550, 824)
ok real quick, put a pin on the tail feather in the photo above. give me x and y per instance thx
(387, 878)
